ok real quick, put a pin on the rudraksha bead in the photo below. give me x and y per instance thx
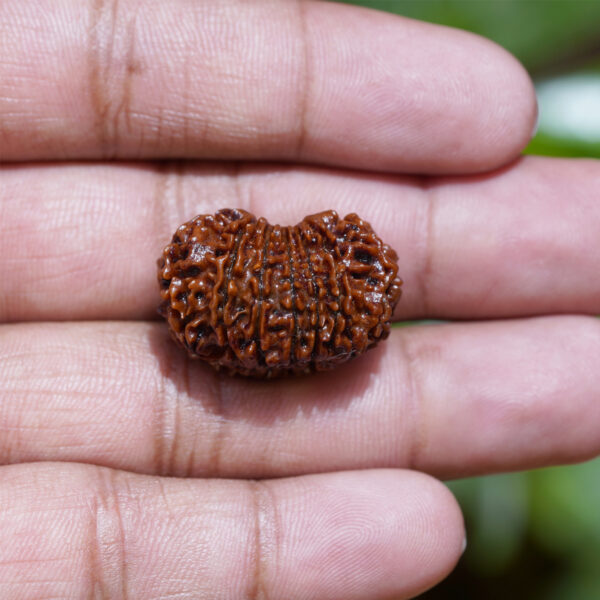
(265, 300)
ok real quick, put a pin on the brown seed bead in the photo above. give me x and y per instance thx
(265, 300)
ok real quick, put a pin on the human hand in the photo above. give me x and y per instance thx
(151, 514)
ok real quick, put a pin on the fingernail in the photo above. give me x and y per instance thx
(464, 545)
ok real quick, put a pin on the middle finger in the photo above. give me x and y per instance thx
(80, 242)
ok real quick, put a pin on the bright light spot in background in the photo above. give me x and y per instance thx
(570, 107)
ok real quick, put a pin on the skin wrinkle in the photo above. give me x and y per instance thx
(169, 199)
(131, 69)
(103, 34)
(238, 187)
(165, 407)
(415, 402)
(161, 226)
(10, 444)
(141, 143)
(217, 409)
(250, 199)
(158, 425)
(97, 99)
(185, 377)
(263, 504)
(99, 67)
(170, 432)
(107, 500)
(427, 235)
(124, 577)
(173, 199)
(3, 133)
(159, 127)
(96, 591)
(19, 446)
(178, 174)
(200, 124)
(114, 10)
(305, 80)
(165, 498)
(175, 433)
(186, 96)
(189, 470)
(276, 531)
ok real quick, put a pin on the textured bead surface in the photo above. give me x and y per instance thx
(264, 300)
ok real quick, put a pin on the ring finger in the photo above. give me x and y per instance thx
(449, 400)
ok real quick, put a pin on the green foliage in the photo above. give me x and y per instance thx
(548, 145)
(532, 536)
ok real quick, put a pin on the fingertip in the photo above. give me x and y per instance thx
(420, 97)
(492, 104)
(512, 108)
(368, 535)
(443, 540)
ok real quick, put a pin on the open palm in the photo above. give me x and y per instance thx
(133, 472)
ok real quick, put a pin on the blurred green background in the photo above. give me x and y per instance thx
(533, 535)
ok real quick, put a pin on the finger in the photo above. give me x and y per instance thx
(91, 532)
(450, 400)
(306, 81)
(80, 242)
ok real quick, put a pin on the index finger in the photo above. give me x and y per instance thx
(306, 81)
